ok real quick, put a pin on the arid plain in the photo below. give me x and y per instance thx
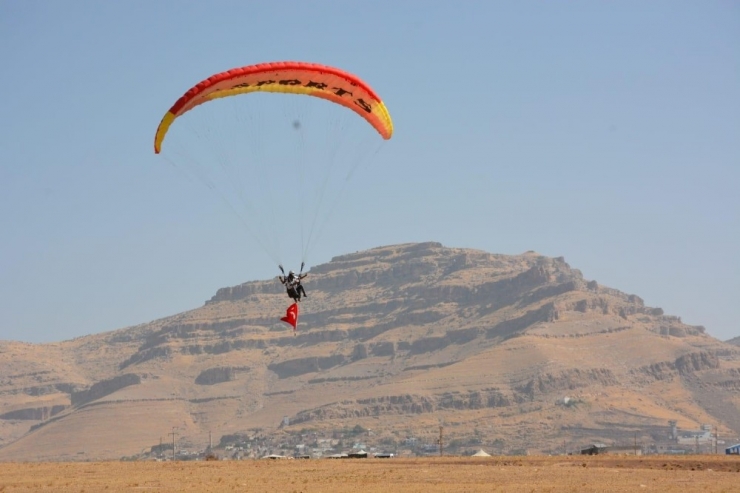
(502, 474)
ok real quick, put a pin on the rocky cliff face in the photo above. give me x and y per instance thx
(212, 376)
(104, 388)
(523, 343)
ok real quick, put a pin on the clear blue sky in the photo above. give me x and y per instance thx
(605, 132)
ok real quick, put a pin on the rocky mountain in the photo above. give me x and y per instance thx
(512, 352)
(735, 341)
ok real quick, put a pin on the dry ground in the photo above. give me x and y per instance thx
(429, 475)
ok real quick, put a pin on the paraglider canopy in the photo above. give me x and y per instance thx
(311, 79)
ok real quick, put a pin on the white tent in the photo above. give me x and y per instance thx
(481, 453)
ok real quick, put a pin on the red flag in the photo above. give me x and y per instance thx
(291, 316)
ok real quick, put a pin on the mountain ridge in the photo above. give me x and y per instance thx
(396, 337)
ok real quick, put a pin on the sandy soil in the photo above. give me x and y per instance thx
(495, 474)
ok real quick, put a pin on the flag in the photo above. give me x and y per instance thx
(291, 315)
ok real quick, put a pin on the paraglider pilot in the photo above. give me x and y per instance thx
(293, 285)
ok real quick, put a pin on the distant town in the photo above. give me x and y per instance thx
(360, 442)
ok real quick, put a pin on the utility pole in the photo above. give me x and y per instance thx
(635, 444)
(716, 438)
(161, 453)
(441, 446)
(174, 434)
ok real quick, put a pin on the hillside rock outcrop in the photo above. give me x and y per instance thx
(34, 413)
(681, 366)
(104, 388)
(404, 404)
(567, 380)
(213, 376)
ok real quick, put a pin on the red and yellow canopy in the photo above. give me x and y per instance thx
(309, 79)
